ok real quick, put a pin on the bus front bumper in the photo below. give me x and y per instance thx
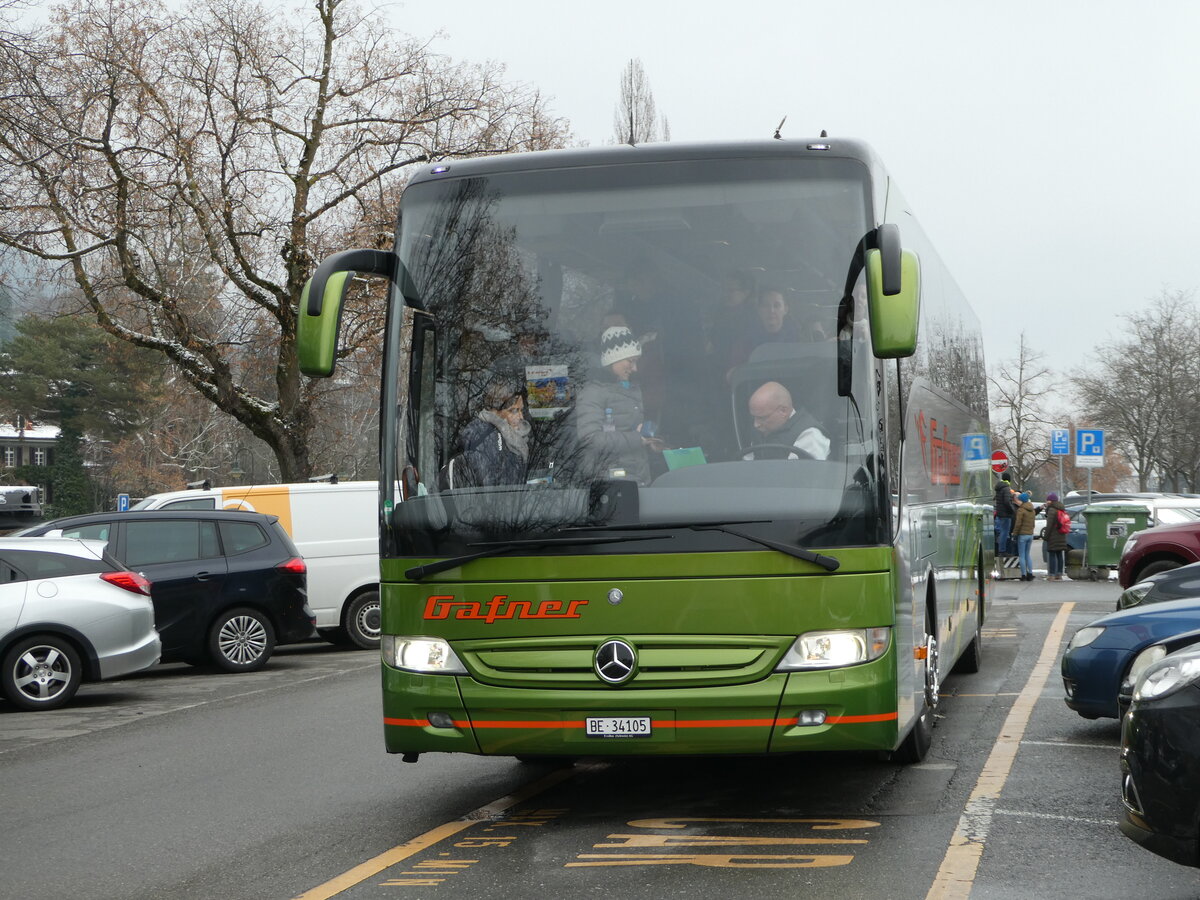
(853, 708)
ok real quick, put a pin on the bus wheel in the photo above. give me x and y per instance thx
(917, 743)
(972, 657)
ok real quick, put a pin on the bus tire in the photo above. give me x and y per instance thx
(972, 658)
(916, 744)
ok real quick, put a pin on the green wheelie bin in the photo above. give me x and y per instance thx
(1108, 527)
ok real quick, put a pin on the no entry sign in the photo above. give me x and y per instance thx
(999, 461)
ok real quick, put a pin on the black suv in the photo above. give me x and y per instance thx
(227, 586)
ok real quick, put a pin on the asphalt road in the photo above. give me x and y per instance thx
(182, 783)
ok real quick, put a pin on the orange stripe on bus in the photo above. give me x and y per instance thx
(658, 723)
(856, 720)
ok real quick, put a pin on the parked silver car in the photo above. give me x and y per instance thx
(69, 613)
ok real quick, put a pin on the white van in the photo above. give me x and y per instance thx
(336, 529)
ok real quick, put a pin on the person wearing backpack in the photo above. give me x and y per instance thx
(1056, 538)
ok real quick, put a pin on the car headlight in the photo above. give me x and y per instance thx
(830, 649)
(1134, 595)
(1167, 677)
(427, 655)
(1145, 660)
(1129, 542)
(1085, 636)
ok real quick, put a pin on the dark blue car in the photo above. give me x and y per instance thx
(1101, 653)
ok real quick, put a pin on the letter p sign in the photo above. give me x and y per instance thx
(1089, 447)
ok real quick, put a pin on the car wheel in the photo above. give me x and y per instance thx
(241, 640)
(1154, 568)
(41, 672)
(362, 621)
(919, 739)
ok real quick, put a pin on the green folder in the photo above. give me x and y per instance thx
(683, 457)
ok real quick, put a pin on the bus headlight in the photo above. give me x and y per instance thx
(830, 649)
(427, 655)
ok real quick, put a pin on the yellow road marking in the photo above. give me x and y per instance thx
(389, 858)
(956, 876)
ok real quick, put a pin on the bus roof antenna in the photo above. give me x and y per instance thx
(779, 129)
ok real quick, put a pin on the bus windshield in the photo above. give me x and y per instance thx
(653, 346)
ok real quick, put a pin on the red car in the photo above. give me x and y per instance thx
(1158, 549)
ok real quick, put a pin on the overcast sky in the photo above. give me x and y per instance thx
(1049, 148)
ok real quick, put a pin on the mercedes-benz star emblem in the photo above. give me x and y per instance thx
(615, 661)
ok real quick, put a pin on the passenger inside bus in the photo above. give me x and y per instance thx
(610, 413)
(770, 324)
(495, 444)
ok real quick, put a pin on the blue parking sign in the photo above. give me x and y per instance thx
(122, 503)
(1089, 447)
(1060, 442)
(976, 452)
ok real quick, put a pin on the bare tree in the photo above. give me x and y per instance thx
(1143, 388)
(188, 169)
(634, 120)
(1021, 391)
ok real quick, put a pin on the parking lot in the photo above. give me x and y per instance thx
(186, 782)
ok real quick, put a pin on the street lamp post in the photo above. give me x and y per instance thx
(237, 470)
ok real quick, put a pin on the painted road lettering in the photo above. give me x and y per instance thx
(423, 873)
(433, 872)
(725, 860)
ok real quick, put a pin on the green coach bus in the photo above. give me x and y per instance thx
(599, 535)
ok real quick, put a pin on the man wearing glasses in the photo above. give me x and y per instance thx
(784, 432)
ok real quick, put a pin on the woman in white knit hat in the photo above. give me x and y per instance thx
(609, 413)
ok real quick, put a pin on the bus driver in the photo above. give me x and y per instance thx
(782, 426)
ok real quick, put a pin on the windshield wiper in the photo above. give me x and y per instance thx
(416, 573)
(829, 563)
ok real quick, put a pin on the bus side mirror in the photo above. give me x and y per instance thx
(320, 315)
(316, 335)
(894, 314)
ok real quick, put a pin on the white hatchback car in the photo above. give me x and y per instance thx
(69, 613)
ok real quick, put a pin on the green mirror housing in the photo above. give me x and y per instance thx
(320, 313)
(317, 335)
(894, 318)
